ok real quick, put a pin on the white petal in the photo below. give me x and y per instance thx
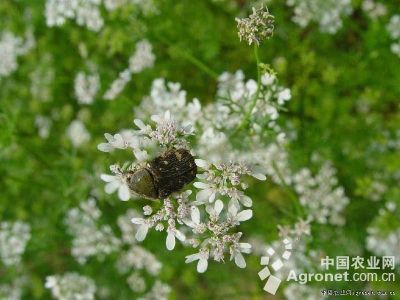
(105, 147)
(245, 247)
(202, 163)
(142, 232)
(155, 118)
(170, 242)
(137, 221)
(202, 265)
(246, 201)
(244, 215)
(259, 176)
(111, 187)
(201, 185)
(180, 236)
(195, 214)
(192, 258)
(123, 192)
(109, 137)
(204, 195)
(212, 197)
(239, 260)
(232, 210)
(218, 206)
(107, 178)
(139, 123)
(141, 155)
(118, 141)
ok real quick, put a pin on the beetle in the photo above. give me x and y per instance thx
(166, 174)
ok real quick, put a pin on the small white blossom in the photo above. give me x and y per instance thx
(10, 48)
(78, 133)
(86, 87)
(202, 258)
(329, 16)
(13, 240)
(114, 183)
(236, 251)
(71, 286)
(141, 59)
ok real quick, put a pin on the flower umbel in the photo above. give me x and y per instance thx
(257, 27)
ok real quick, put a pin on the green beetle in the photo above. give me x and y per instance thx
(164, 175)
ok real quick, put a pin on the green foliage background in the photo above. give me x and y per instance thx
(330, 77)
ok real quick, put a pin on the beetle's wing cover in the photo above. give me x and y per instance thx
(172, 170)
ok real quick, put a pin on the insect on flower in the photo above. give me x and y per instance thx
(164, 175)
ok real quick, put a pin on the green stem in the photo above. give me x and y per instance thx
(245, 120)
(199, 64)
(187, 55)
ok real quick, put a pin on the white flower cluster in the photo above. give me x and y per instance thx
(374, 9)
(159, 291)
(328, 13)
(235, 96)
(394, 30)
(384, 241)
(93, 240)
(169, 97)
(89, 239)
(13, 290)
(11, 47)
(86, 87)
(209, 222)
(14, 237)
(77, 133)
(320, 195)
(85, 12)
(141, 59)
(135, 257)
(71, 286)
(257, 27)
(300, 228)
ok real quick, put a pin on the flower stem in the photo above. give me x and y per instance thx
(245, 120)
(198, 63)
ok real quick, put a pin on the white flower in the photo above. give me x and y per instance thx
(78, 133)
(172, 234)
(144, 129)
(215, 211)
(202, 163)
(268, 79)
(236, 251)
(116, 182)
(71, 286)
(236, 217)
(143, 57)
(113, 142)
(143, 228)
(202, 258)
(86, 87)
(302, 227)
(283, 96)
(14, 238)
(207, 193)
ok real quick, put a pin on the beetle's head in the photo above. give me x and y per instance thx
(142, 183)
